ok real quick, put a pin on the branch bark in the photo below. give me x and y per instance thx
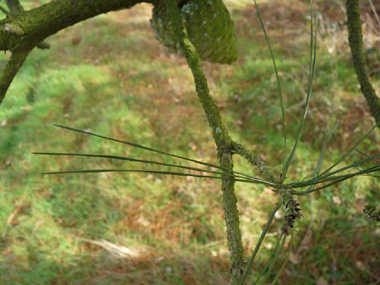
(10, 71)
(21, 31)
(15, 7)
(222, 140)
(355, 39)
(48, 19)
(226, 146)
(256, 160)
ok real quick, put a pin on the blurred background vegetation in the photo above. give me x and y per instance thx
(109, 75)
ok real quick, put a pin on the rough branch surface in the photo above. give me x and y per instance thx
(355, 39)
(21, 30)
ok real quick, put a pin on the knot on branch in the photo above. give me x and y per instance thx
(14, 29)
(256, 160)
(225, 150)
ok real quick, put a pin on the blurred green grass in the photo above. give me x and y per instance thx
(109, 75)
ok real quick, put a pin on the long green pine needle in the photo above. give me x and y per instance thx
(140, 160)
(149, 149)
(320, 159)
(278, 85)
(258, 245)
(285, 261)
(320, 179)
(139, 171)
(313, 57)
(269, 262)
(271, 266)
(349, 151)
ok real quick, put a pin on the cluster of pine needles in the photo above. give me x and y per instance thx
(331, 178)
(320, 179)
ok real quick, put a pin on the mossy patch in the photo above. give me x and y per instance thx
(209, 28)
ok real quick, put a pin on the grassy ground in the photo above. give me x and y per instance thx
(109, 75)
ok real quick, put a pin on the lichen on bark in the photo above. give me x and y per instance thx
(231, 216)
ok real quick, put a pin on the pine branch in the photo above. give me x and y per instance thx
(221, 138)
(10, 71)
(355, 39)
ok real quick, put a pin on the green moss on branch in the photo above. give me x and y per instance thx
(48, 19)
(355, 39)
(256, 160)
(231, 216)
(222, 140)
(23, 30)
(14, 6)
(10, 71)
